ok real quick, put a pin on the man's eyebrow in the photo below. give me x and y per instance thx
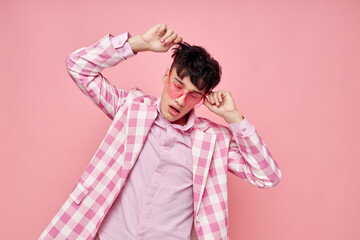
(180, 81)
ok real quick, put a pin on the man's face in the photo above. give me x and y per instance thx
(175, 109)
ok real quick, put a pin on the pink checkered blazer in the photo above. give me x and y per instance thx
(215, 151)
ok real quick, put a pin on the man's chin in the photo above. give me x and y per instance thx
(179, 120)
(172, 119)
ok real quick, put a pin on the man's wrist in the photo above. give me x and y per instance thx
(233, 117)
(137, 44)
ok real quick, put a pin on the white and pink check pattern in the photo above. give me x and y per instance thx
(215, 151)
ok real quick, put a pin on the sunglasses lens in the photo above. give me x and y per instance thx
(175, 92)
(192, 101)
(199, 103)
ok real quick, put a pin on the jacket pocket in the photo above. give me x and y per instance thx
(79, 193)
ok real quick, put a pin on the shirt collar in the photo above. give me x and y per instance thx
(186, 128)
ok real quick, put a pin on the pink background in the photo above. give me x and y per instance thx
(293, 68)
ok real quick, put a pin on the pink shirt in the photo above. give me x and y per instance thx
(157, 200)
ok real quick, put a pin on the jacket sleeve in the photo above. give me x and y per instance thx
(85, 64)
(249, 157)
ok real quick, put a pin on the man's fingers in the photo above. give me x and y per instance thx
(178, 39)
(168, 33)
(211, 99)
(216, 97)
(171, 38)
(207, 103)
(161, 29)
(208, 98)
(219, 96)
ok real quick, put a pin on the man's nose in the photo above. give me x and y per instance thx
(181, 100)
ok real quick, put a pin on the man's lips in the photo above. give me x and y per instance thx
(177, 109)
(173, 110)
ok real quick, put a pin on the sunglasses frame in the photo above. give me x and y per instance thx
(198, 104)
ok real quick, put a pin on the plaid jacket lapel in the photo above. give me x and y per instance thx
(139, 120)
(202, 150)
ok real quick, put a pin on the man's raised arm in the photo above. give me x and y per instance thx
(249, 157)
(85, 64)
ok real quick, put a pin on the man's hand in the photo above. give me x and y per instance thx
(222, 104)
(159, 38)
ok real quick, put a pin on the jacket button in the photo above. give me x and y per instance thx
(198, 219)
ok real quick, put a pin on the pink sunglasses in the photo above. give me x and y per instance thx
(192, 99)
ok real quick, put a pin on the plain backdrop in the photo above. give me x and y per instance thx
(293, 68)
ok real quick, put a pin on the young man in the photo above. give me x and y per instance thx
(160, 172)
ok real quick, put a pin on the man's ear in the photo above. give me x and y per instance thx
(166, 75)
